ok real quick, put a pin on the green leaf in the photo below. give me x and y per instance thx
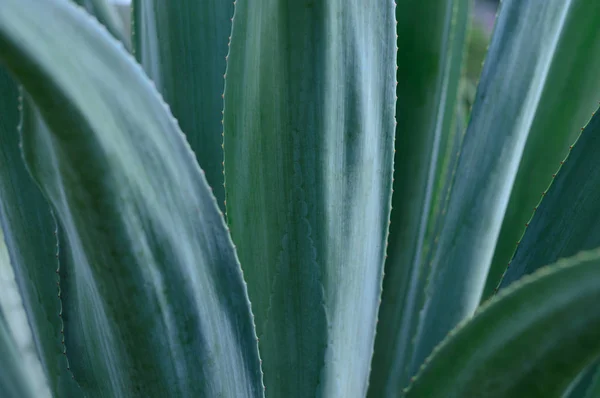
(171, 310)
(586, 384)
(431, 44)
(182, 46)
(573, 88)
(567, 220)
(30, 236)
(106, 14)
(21, 373)
(309, 128)
(530, 341)
(514, 78)
(593, 390)
(14, 380)
(80, 300)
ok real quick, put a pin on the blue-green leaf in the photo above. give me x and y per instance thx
(29, 230)
(567, 220)
(182, 46)
(21, 373)
(431, 41)
(593, 390)
(572, 88)
(586, 384)
(513, 84)
(530, 341)
(309, 128)
(171, 310)
(14, 380)
(106, 14)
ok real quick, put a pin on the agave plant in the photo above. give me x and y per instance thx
(282, 198)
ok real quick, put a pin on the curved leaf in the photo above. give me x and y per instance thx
(567, 219)
(106, 14)
(309, 128)
(569, 97)
(586, 384)
(530, 341)
(173, 315)
(14, 380)
(21, 373)
(182, 46)
(431, 43)
(593, 390)
(30, 237)
(521, 54)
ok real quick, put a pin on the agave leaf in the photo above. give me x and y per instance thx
(432, 34)
(182, 46)
(573, 75)
(593, 390)
(21, 373)
(15, 382)
(173, 315)
(80, 300)
(309, 128)
(530, 341)
(522, 50)
(586, 384)
(30, 237)
(106, 14)
(567, 219)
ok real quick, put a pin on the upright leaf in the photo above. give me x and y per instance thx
(14, 380)
(309, 128)
(521, 54)
(431, 43)
(21, 373)
(571, 94)
(172, 313)
(182, 46)
(567, 220)
(530, 341)
(29, 231)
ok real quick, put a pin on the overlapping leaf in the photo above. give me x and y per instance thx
(14, 380)
(170, 310)
(570, 95)
(21, 373)
(431, 41)
(513, 84)
(567, 220)
(29, 230)
(182, 46)
(528, 342)
(106, 14)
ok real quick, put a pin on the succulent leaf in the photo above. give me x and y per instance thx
(188, 69)
(586, 384)
(309, 130)
(29, 231)
(21, 372)
(140, 220)
(567, 219)
(520, 57)
(106, 14)
(15, 382)
(428, 136)
(570, 95)
(529, 341)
